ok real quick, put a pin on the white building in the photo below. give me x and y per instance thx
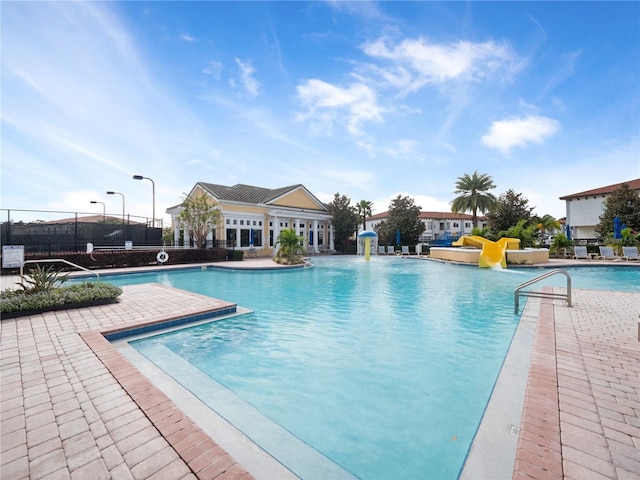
(436, 224)
(584, 209)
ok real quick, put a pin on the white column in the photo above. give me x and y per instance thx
(186, 238)
(276, 233)
(315, 237)
(298, 233)
(331, 244)
(176, 233)
(237, 238)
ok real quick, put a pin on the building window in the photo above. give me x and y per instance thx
(441, 225)
(231, 238)
(235, 222)
(271, 238)
(456, 224)
(244, 237)
(242, 222)
(259, 223)
(228, 221)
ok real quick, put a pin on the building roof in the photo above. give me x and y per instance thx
(432, 215)
(89, 219)
(250, 194)
(633, 185)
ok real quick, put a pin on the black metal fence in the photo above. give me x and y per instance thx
(72, 234)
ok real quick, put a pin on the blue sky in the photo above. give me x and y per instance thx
(367, 99)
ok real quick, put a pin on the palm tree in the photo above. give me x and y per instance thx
(548, 223)
(364, 211)
(291, 247)
(474, 195)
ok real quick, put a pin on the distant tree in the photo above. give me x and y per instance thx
(199, 216)
(344, 220)
(291, 247)
(625, 203)
(508, 210)
(521, 231)
(474, 196)
(544, 224)
(480, 232)
(364, 210)
(404, 215)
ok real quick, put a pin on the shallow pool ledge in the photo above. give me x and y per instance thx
(531, 256)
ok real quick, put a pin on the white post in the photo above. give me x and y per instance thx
(331, 244)
(315, 237)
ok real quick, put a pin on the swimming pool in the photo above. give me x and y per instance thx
(385, 367)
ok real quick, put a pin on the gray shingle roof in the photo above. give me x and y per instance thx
(247, 193)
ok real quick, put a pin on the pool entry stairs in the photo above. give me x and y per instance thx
(493, 254)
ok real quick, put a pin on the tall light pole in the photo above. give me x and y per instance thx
(104, 218)
(153, 192)
(121, 194)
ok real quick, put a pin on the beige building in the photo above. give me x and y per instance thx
(253, 217)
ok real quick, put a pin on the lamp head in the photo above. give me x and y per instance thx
(138, 177)
(111, 193)
(93, 201)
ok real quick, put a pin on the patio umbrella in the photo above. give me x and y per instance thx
(251, 237)
(617, 227)
(398, 237)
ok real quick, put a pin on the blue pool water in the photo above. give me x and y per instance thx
(385, 367)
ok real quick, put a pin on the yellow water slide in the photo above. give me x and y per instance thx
(493, 253)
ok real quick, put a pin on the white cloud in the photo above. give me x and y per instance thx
(214, 69)
(519, 132)
(417, 62)
(324, 101)
(250, 84)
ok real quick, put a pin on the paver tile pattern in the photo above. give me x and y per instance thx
(72, 407)
(581, 418)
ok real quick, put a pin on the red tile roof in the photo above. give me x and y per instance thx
(633, 185)
(431, 215)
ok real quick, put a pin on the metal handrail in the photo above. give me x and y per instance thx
(53, 260)
(562, 296)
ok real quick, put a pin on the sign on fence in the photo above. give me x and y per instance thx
(12, 256)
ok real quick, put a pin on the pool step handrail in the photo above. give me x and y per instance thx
(54, 260)
(531, 293)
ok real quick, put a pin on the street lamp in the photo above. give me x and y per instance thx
(104, 218)
(121, 194)
(153, 192)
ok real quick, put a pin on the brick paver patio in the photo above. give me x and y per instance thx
(72, 407)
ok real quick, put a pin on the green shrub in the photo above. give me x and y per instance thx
(16, 301)
(42, 280)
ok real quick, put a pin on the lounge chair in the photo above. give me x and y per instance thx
(391, 250)
(580, 252)
(606, 253)
(381, 250)
(405, 250)
(630, 253)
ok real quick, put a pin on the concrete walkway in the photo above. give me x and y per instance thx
(71, 406)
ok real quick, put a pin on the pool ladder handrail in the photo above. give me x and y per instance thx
(529, 293)
(53, 260)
